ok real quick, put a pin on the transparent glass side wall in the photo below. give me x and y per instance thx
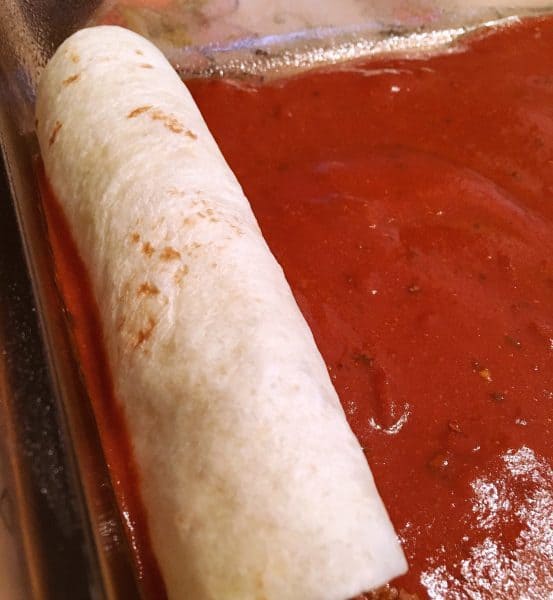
(60, 531)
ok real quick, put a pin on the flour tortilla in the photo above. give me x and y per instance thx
(253, 483)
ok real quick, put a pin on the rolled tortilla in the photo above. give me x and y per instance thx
(253, 484)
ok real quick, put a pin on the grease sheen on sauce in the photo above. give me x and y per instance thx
(410, 203)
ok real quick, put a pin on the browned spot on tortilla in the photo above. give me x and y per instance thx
(135, 237)
(148, 289)
(236, 229)
(71, 79)
(172, 191)
(189, 248)
(148, 249)
(169, 253)
(146, 66)
(169, 121)
(54, 133)
(74, 57)
(121, 323)
(124, 291)
(145, 334)
(139, 52)
(138, 111)
(188, 221)
(211, 214)
(172, 123)
(180, 274)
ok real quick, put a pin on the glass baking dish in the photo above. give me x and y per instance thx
(57, 503)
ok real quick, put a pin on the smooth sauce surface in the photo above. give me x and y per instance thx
(410, 203)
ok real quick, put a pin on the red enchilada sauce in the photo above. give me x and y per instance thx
(410, 203)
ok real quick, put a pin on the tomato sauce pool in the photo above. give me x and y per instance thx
(410, 203)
